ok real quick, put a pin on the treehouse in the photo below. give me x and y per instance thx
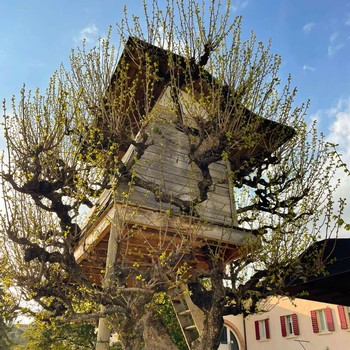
(154, 223)
(161, 209)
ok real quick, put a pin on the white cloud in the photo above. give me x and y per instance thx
(333, 49)
(238, 5)
(340, 128)
(308, 27)
(89, 33)
(338, 118)
(334, 44)
(308, 68)
(340, 135)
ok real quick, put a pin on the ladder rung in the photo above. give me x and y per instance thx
(177, 298)
(184, 313)
(190, 328)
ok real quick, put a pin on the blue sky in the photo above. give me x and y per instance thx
(312, 36)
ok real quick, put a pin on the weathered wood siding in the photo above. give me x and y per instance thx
(165, 163)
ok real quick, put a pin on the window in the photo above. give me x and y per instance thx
(228, 340)
(289, 325)
(322, 320)
(262, 330)
(344, 316)
(223, 335)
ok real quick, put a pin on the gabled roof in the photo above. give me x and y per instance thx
(273, 134)
(333, 286)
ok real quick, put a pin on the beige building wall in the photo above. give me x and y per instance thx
(337, 339)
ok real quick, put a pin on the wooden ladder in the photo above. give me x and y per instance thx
(189, 316)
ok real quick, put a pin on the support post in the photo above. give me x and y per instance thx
(103, 333)
(104, 330)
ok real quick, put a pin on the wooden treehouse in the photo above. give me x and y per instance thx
(149, 226)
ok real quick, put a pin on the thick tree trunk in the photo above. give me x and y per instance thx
(155, 334)
(130, 327)
(210, 338)
(131, 343)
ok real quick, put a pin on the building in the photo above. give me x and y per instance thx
(290, 325)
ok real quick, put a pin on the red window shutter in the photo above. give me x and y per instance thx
(295, 324)
(329, 319)
(342, 317)
(283, 326)
(314, 321)
(267, 329)
(257, 331)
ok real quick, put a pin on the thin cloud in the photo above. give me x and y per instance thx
(239, 5)
(308, 27)
(89, 33)
(308, 68)
(334, 44)
(333, 49)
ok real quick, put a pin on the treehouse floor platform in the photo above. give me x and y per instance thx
(145, 236)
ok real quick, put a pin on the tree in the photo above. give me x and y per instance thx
(41, 335)
(5, 327)
(66, 147)
(7, 315)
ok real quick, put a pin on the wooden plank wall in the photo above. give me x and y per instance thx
(165, 163)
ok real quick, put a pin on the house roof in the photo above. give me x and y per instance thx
(272, 134)
(333, 286)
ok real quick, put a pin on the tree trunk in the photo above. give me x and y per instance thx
(155, 334)
(131, 343)
(130, 326)
(210, 338)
